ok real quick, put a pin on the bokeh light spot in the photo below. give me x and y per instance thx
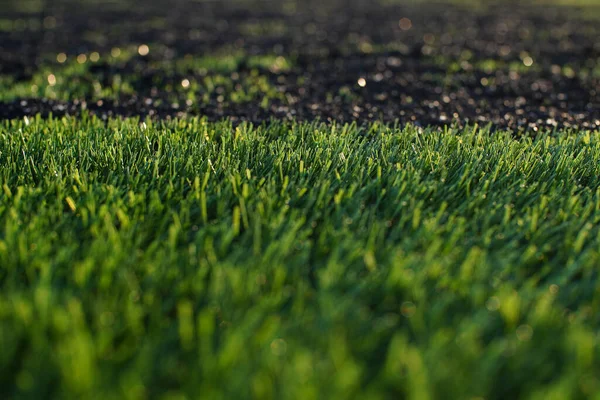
(143, 50)
(405, 24)
(524, 332)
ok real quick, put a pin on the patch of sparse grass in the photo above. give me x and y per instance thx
(487, 3)
(296, 261)
(123, 74)
(263, 28)
(525, 64)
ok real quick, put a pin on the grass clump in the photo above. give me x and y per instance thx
(225, 79)
(296, 261)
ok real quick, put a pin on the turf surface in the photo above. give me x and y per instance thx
(216, 246)
(187, 258)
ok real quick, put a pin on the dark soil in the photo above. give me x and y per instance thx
(518, 67)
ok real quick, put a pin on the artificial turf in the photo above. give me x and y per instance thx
(191, 259)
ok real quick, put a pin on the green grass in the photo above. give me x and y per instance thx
(207, 77)
(186, 258)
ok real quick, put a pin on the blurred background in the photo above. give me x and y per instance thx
(34, 30)
(513, 63)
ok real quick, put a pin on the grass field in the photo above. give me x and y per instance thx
(189, 259)
(256, 199)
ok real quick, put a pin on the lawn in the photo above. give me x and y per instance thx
(192, 259)
(321, 199)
